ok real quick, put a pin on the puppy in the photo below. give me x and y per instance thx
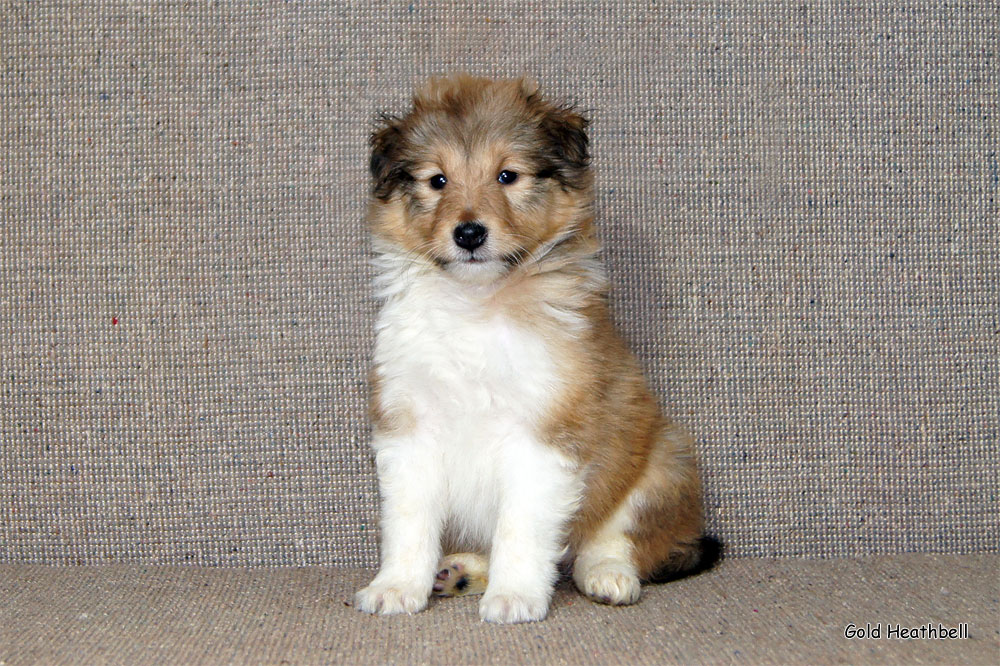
(509, 418)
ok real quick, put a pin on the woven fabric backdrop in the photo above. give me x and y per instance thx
(799, 204)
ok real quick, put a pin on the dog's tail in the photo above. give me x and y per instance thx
(689, 560)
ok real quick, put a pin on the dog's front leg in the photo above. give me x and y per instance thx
(539, 493)
(412, 516)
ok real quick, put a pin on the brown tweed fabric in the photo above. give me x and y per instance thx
(799, 203)
(753, 611)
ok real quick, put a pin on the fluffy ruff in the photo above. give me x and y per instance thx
(510, 420)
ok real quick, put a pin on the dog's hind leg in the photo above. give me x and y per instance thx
(655, 534)
(604, 569)
(461, 574)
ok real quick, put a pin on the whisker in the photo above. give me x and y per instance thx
(523, 256)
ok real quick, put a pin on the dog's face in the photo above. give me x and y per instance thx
(480, 177)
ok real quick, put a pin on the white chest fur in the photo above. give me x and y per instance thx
(477, 384)
(458, 364)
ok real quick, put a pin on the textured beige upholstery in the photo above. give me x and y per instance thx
(751, 610)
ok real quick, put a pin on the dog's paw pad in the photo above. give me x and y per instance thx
(512, 608)
(461, 574)
(390, 599)
(611, 585)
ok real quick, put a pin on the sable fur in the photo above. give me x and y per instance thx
(539, 273)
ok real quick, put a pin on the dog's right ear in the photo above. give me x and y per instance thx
(386, 166)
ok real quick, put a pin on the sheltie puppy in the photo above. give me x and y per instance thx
(509, 418)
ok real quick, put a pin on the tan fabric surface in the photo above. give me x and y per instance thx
(799, 202)
(747, 611)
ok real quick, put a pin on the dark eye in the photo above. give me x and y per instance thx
(439, 181)
(507, 177)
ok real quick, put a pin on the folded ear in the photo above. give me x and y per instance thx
(529, 86)
(564, 131)
(387, 168)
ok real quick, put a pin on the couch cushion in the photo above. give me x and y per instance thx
(748, 610)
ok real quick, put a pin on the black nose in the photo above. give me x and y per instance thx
(470, 235)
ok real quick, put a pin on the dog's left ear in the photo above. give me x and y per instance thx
(565, 131)
(387, 169)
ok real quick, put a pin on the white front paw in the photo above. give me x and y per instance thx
(508, 608)
(391, 598)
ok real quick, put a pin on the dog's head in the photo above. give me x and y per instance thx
(481, 176)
